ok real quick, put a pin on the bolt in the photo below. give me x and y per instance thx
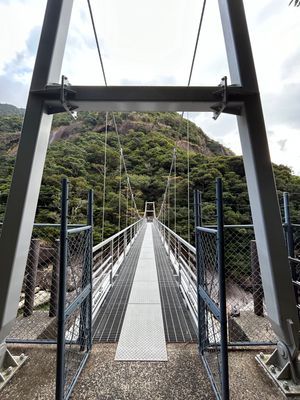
(261, 355)
(285, 385)
(22, 356)
(272, 369)
(9, 370)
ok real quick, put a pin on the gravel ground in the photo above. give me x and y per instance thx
(182, 377)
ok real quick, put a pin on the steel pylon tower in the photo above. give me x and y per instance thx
(49, 94)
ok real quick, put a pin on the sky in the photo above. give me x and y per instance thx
(152, 42)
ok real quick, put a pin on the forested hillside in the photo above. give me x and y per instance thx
(76, 151)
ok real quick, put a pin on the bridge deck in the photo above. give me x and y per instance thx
(177, 322)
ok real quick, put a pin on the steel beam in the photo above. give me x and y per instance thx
(272, 253)
(26, 181)
(142, 98)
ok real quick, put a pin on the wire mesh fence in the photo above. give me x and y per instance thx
(36, 320)
(247, 315)
(211, 328)
(296, 240)
(75, 318)
(74, 322)
(295, 269)
(246, 312)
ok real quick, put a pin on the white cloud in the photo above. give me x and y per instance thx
(146, 42)
(17, 19)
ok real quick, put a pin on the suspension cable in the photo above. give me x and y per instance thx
(120, 189)
(168, 182)
(126, 216)
(182, 114)
(114, 120)
(188, 176)
(197, 41)
(113, 115)
(104, 175)
(175, 190)
(97, 41)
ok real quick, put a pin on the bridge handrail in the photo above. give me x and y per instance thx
(184, 242)
(183, 258)
(107, 259)
(101, 244)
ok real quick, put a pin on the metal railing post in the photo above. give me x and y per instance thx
(60, 368)
(125, 243)
(200, 302)
(118, 252)
(90, 221)
(222, 292)
(179, 264)
(112, 261)
(288, 225)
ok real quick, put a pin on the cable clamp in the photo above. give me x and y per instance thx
(222, 94)
(63, 97)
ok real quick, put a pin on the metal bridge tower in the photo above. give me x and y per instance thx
(49, 95)
(149, 213)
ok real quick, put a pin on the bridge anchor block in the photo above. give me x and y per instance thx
(283, 369)
(9, 364)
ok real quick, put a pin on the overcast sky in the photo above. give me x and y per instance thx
(151, 43)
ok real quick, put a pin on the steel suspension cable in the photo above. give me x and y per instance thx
(120, 189)
(189, 81)
(197, 41)
(106, 84)
(168, 182)
(175, 190)
(188, 84)
(126, 216)
(188, 176)
(97, 41)
(104, 176)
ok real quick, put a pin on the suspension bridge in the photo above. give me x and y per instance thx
(145, 287)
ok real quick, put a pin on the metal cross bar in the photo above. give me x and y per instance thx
(142, 98)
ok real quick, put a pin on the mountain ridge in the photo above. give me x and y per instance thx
(77, 152)
(9, 109)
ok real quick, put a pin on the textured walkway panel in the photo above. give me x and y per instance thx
(142, 337)
(144, 293)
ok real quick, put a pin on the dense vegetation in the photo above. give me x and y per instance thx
(76, 151)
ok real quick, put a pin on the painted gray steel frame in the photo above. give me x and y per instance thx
(23, 197)
(272, 253)
(143, 98)
(15, 238)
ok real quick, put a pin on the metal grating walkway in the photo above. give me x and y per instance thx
(177, 321)
(111, 314)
